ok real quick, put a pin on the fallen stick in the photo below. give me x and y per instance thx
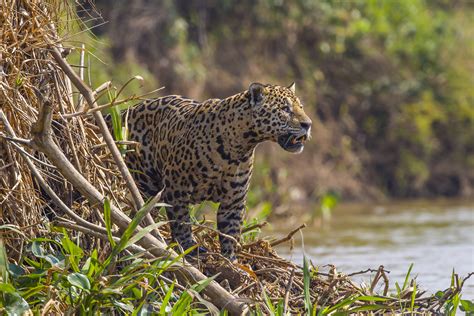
(287, 292)
(259, 225)
(287, 237)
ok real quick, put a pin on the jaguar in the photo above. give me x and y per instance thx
(204, 151)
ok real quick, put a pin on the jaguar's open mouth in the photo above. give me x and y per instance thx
(293, 142)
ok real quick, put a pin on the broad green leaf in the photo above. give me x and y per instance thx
(79, 280)
(57, 261)
(71, 248)
(37, 249)
(15, 270)
(86, 266)
(15, 305)
(467, 306)
(6, 288)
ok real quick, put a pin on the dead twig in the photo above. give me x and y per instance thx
(287, 292)
(287, 237)
(259, 225)
(89, 97)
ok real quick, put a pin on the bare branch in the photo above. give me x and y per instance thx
(288, 237)
(89, 97)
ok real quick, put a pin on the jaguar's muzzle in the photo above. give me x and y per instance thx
(293, 142)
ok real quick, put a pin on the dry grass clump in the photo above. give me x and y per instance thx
(27, 31)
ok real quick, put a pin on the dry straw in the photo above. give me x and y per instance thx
(37, 85)
(27, 69)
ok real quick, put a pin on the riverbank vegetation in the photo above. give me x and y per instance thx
(388, 84)
(76, 238)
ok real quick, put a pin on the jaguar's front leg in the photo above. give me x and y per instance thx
(180, 223)
(229, 222)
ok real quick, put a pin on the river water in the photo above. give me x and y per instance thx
(436, 237)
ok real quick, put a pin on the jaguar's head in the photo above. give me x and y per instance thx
(278, 115)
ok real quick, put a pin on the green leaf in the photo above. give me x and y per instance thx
(341, 304)
(71, 248)
(405, 284)
(467, 306)
(413, 296)
(166, 299)
(280, 307)
(55, 261)
(456, 300)
(183, 304)
(127, 234)
(15, 305)
(399, 290)
(79, 280)
(268, 303)
(372, 298)
(146, 310)
(6, 288)
(38, 251)
(108, 221)
(86, 266)
(439, 294)
(3, 262)
(142, 233)
(123, 306)
(200, 285)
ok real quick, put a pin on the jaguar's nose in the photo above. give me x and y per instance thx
(306, 125)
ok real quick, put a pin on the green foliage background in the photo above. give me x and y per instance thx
(389, 84)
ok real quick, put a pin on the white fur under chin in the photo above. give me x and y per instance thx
(299, 150)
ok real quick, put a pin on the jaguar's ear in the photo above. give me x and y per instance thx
(292, 87)
(257, 93)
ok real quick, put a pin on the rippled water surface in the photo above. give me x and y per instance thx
(435, 236)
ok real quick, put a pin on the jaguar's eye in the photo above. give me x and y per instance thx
(287, 108)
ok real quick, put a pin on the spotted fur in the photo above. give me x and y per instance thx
(205, 151)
